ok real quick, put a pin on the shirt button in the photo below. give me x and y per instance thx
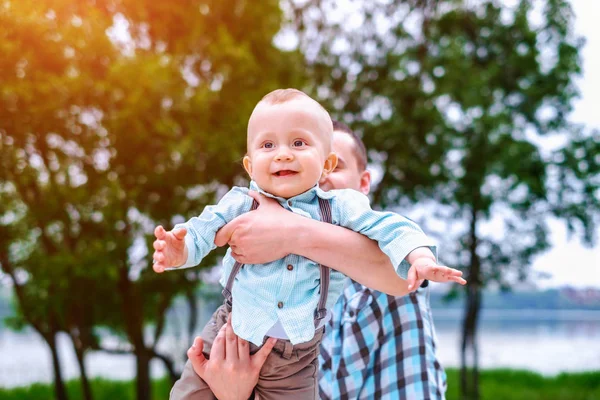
(289, 203)
(280, 304)
(290, 267)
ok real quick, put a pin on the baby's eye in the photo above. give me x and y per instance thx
(299, 143)
(268, 145)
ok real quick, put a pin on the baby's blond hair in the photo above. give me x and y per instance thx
(280, 96)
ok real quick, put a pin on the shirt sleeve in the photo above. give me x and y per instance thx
(397, 235)
(201, 230)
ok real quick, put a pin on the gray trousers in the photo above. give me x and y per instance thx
(290, 372)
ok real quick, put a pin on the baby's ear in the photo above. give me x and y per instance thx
(330, 164)
(247, 165)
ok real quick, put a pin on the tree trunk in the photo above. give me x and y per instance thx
(193, 317)
(142, 358)
(168, 363)
(59, 385)
(469, 374)
(132, 311)
(48, 334)
(131, 304)
(85, 383)
(469, 371)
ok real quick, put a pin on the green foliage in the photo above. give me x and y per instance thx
(460, 104)
(105, 134)
(457, 102)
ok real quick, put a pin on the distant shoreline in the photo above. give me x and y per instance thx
(581, 315)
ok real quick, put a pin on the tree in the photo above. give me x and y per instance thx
(115, 116)
(456, 100)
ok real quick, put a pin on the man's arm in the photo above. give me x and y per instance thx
(271, 233)
(351, 253)
(401, 239)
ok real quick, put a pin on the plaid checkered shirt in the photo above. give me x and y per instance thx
(380, 347)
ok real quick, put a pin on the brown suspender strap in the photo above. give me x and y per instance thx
(234, 271)
(321, 310)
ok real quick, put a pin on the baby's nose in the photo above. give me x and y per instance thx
(284, 155)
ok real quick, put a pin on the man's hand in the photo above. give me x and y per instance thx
(426, 268)
(258, 237)
(169, 248)
(230, 372)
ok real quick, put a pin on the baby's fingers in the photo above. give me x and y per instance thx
(446, 272)
(158, 267)
(453, 272)
(411, 278)
(158, 261)
(457, 279)
(436, 273)
(160, 232)
(159, 256)
(180, 233)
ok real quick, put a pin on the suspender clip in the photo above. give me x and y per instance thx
(320, 314)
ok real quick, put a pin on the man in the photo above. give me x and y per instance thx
(378, 346)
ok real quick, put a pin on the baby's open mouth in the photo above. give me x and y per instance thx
(285, 172)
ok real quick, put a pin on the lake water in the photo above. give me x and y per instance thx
(548, 342)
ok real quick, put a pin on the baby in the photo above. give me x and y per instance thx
(289, 152)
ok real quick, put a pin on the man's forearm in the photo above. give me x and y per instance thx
(348, 252)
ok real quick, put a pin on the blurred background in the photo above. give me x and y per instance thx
(481, 119)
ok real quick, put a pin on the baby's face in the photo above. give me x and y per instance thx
(289, 146)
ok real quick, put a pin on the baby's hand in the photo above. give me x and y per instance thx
(169, 248)
(426, 268)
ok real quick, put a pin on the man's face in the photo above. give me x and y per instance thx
(289, 147)
(347, 174)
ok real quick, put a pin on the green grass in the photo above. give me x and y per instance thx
(521, 385)
(495, 384)
(102, 389)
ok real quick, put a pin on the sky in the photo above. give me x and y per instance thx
(569, 262)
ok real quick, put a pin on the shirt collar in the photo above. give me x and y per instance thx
(306, 196)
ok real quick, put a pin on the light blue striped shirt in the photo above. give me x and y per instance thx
(259, 288)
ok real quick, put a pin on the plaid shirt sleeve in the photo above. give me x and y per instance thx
(380, 347)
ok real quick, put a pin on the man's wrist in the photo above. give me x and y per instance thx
(295, 235)
(299, 235)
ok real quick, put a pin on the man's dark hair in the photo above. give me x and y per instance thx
(359, 150)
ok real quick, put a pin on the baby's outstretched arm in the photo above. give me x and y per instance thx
(187, 244)
(424, 266)
(169, 248)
